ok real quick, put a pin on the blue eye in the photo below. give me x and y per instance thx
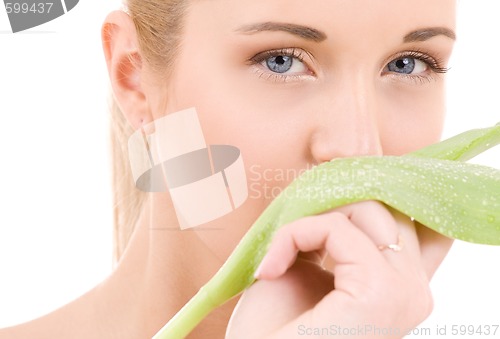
(406, 65)
(280, 63)
(286, 62)
(283, 63)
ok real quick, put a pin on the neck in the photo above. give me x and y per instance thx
(162, 268)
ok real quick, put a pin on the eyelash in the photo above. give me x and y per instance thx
(435, 64)
(291, 52)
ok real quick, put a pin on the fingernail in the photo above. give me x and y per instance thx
(258, 272)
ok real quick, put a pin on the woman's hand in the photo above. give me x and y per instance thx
(371, 291)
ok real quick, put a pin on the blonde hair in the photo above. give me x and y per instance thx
(159, 29)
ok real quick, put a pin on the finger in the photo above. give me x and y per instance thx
(433, 248)
(384, 228)
(408, 232)
(332, 231)
(374, 219)
(316, 257)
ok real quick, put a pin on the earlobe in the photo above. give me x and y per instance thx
(125, 69)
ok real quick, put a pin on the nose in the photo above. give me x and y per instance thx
(347, 124)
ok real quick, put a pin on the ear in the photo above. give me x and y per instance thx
(119, 41)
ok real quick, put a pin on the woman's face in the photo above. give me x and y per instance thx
(293, 84)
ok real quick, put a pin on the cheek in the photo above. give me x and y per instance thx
(237, 108)
(413, 119)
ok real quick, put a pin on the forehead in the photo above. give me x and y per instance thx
(337, 18)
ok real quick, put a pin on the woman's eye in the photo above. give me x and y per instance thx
(407, 65)
(284, 64)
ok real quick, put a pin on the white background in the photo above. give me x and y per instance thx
(55, 199)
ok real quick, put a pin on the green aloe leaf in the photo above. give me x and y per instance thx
(463, 146)
(431, 185)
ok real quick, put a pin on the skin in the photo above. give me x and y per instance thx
(341, 101)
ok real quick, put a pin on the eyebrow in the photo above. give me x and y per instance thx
(427, 33)
(309, 33)
(303, 32)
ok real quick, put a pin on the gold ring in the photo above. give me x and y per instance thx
(393, 247)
